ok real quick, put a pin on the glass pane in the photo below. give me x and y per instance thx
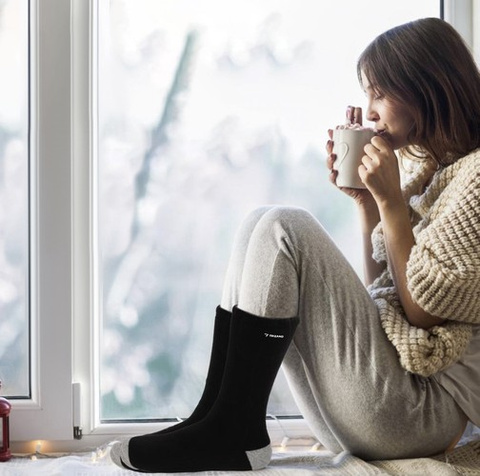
(208, 110)
(14, 212)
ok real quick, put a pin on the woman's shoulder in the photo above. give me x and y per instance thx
(468, 165)
(460, 178)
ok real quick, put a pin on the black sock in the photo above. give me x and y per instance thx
(233, 435)
(214, 378)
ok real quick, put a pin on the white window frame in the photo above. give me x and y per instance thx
(48, 413)
(64, 341)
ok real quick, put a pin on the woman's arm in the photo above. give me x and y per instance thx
(381, 175)
(399, 241)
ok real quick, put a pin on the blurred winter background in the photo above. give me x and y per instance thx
(206, 110)
(209, 109)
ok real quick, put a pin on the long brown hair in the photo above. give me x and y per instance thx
(426, 66)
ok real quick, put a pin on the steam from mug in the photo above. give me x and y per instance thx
(348, 146)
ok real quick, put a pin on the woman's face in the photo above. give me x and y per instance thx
(392, 120)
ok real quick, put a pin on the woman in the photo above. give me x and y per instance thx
(386, 370)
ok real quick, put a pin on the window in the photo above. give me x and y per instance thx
(46, 410)
(14, 196)
(251, 107)
(206, 112)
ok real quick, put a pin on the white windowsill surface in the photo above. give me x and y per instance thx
(287, 461)
(292, 457)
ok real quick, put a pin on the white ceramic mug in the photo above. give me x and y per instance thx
(348, 146)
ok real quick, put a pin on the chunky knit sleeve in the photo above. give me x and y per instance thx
(443, 271)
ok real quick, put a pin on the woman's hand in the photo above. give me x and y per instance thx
(361, 196)
(368, 211)
(380, 172)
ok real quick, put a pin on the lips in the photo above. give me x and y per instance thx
(384, 134)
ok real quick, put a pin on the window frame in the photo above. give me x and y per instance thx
(48, 413)
(63, 224)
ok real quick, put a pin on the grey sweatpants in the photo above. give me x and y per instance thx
(343, 372)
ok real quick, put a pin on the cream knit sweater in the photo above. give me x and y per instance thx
(443, 270)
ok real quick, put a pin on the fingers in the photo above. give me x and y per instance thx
(380, 143)
(367, 162)
(330, 161)
(378, 155)
(357, 115)
(377, 145)
(354, 115)
(330, 155)
(332, 176)
(329, 148)
(331, 158)
(329, 145)
(373, 156)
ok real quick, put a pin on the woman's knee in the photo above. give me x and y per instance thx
(291, 219)
(282, 224)
(249, 224)
(253, 218)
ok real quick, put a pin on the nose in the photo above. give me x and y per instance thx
(371, 113)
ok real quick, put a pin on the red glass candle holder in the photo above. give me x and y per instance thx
(5, 407)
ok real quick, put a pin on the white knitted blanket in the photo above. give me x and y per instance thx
(464, 460)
